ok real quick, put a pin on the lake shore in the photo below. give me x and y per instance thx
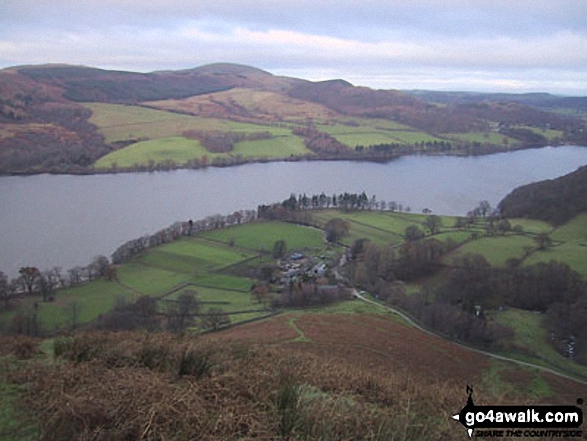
(232, 161)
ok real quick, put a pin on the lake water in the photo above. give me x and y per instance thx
(63, 220)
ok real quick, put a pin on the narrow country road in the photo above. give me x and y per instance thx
(488, 354)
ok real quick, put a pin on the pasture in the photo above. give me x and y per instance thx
(211, 263)
(376, 133)
(384, 227)
(482, 138)
(496, 249)
(570, 246)
(120, 123)
(276, 147)
(262, 236)
(177, 149)
(531, 341)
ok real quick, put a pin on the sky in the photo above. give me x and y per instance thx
(475, 45)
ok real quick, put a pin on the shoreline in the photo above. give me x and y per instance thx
(483, 150)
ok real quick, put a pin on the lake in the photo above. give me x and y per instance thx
(66, 220)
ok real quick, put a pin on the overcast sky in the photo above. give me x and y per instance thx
(485, 45)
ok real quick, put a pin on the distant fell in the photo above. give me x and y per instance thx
(554, 200)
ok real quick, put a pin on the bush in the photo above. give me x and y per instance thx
(196, 363)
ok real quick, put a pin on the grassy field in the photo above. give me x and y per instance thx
(177, 149)
(119, 123)
(385, 227)
(373, 134)
(547, 133)
(262, 236)
(159, 136)
(574, 254)
(496, 249)
(532, 225)
(531, 339)
(570, 246)
(205, 262)
(277, 147)
(91, 300)
(481, 137)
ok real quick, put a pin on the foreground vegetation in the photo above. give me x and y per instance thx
(345, 379)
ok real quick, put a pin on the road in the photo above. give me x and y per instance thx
(488, 354)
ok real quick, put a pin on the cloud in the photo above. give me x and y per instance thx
(368, 39)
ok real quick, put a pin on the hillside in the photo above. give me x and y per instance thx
(303, 362)
(556, 200)
(48, 121)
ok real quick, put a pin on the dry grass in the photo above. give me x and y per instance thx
(130, 386)
(354, 379)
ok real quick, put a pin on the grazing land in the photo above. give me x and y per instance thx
(122, 123)
(71, 119)
(177, 149)
(497, 250)
(570, 245)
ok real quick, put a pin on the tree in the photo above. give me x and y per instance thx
(111, 273)
(5, 294)
(279, 249)
(543, 241)
(261, 293)
(336, 229)
(181, 311)
(484, 208)
(75, 275)
(216, 318)
(100, 264)
(412, 233)
(433, 223)
(29, 277)
(503, 226)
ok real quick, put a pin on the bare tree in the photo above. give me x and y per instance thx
(29, 276)
(215, 318)
(5, 294)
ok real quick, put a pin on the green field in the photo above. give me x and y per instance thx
(177, 149)
(277, 147)
(570, 246)
(91, 300)
(574, 254)
(386, 227)
(149, 280)
(573, 231)
(482, 137)
(159, 136)
(547, 133)
(262, 236)
(118, 123)
(206, 263)
(532, 225)
(373, 134)
(531, 338)
(496, 249)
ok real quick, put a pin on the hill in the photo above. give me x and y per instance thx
(554, 200)
(318, 372)
(48, 121)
